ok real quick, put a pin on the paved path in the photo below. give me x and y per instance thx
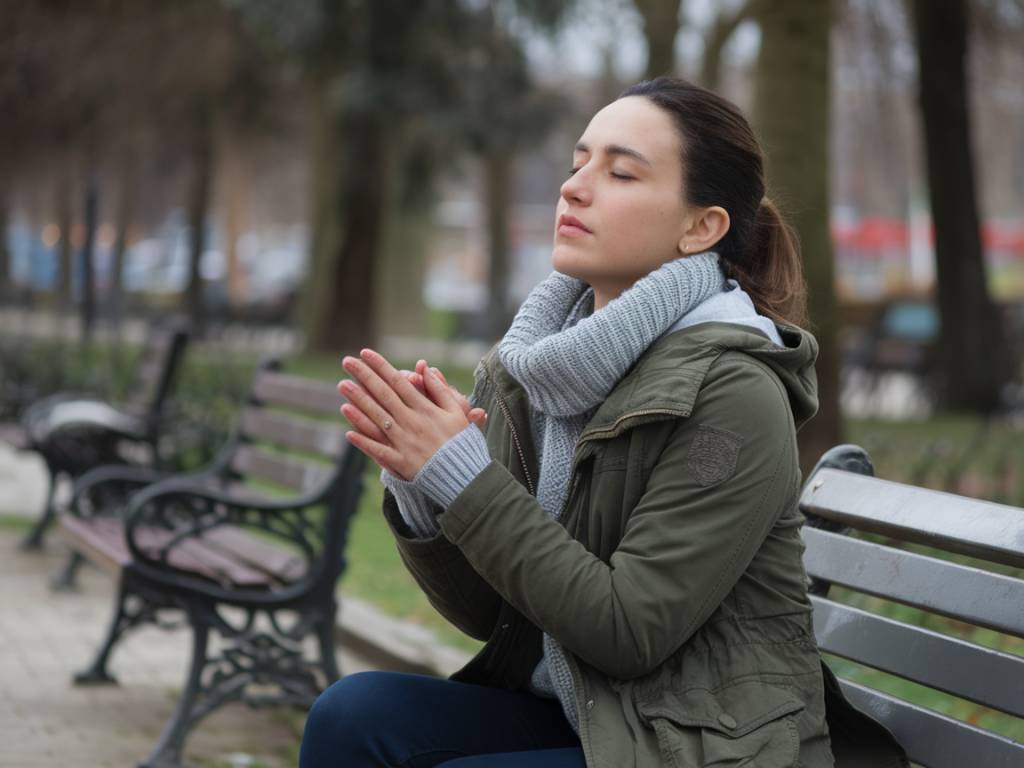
(44, 721)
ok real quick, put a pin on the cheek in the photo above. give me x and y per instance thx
(647, 228)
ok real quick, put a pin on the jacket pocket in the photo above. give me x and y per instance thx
(749, 723)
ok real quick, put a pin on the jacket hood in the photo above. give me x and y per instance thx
(669, 374)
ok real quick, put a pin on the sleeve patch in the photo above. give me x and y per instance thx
(713, 455)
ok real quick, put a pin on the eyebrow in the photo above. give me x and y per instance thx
(616, 149)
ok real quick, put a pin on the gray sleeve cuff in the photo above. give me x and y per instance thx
(453, 466)
(414, 506)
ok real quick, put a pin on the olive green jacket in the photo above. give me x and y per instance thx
(673, 577)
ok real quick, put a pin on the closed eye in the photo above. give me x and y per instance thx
(613, 174)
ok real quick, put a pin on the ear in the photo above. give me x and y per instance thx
(709, 226)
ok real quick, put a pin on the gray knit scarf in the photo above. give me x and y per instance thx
(568, 358)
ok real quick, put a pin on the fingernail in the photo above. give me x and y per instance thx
(365, 353)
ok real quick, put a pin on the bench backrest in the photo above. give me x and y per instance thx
(946, 556)
(157, 367)
(289, 442)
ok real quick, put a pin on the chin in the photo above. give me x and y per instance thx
(570, 262)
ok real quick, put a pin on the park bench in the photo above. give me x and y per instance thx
(945, 555)
(75, 432)
(248, 549)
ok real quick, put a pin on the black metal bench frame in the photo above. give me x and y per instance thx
(177, 560)
(841, 498)
(73, 449)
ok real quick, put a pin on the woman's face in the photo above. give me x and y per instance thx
(626, 189)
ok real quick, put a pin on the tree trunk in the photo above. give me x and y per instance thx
(88, 273)
(6, 284)
(65, 213)
(497, 176)
(198, 205)
(406, 236)
(346, 322)
(121, 224)
(971, 352)
(325, 234)
(235, 206)
(661, 25)
(719, 35)
(791, 111)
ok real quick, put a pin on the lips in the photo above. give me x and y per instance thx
(572, 221)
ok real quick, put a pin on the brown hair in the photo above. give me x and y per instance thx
(723, 164)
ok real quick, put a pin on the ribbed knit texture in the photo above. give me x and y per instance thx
(568, 359)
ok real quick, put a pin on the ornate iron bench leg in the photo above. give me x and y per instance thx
(130, 609)
(34, 539)
(325, 638)
(67, 579)
(167, 753)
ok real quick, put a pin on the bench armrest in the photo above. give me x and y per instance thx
(105, 490)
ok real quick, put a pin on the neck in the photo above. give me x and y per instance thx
(605, 293)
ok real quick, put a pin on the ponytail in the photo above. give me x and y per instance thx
(771, 270)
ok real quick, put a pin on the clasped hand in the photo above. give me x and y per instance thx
(401, 419)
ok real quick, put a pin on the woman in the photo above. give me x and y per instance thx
(615, 510)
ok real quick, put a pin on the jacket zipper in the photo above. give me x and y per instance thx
(515, 439)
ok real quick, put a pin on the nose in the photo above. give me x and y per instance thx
(576, 189)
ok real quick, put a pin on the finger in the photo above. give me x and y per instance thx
(363, 423)
(415, 379)
(422, 368)
(360, 398)
(379, 390)
(384, 456)
(390, 375)
(461, 398)
(441, 393)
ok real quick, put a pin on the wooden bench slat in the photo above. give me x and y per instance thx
(954, 523)
(300, 476)
(982, 675)
(297, 392)
(103, 540)
(913, 579)
(107, 553)
(280, 428)
(278, 563)
(917, 729)
(225, 569)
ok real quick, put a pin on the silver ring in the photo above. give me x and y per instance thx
(387, 424)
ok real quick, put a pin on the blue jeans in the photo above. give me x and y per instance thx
(375, 719)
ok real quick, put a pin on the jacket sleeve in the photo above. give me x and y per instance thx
(442, 571)
(724, 476)
(444, 574)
